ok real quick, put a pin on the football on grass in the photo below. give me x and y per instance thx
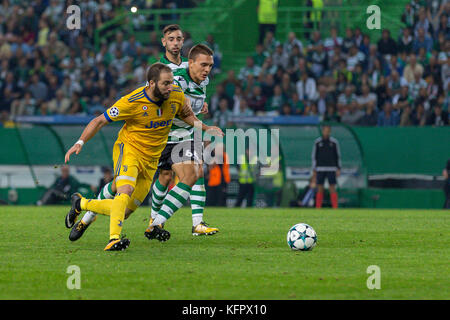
(301, 237)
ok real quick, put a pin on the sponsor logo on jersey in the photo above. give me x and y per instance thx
(159, 124)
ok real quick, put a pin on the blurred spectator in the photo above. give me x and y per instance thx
(411, 68)
(275, 102)
(210, 42)
(422, 23)
(38, 89)
(247, 169)
(418, 116)
(260, 55)
(324, 100)
(370, 116)
(366, 99)
(267, 11)
(387, 45)
(408, 16)
(417, 84)
(24, 106)
(438, 117)
(306, 198)
(61, 189)
(59, 104)
(306, 87)
(388, 117)
(187, 44)
(250, 68)
(256, 100)
(292, 42)
(422, 41)
(243, 110)
(270, 43)
(346, 100)
(222, 118)
(218, 177)
(280, 57)
(405, 43)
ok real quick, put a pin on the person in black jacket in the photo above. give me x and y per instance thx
(326, 164)
(61, 189)
(387, 45)
(437, 117)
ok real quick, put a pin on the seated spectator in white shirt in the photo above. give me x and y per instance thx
(354, 58)
(250, 68)
(416, 84)
(291, 42)
(366, 98)
(346, 100)
(306, 87)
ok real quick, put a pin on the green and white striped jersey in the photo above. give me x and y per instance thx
(196, 93)
(173, 66)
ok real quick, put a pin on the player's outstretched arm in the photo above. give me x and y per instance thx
(91, 129)
(187, 115)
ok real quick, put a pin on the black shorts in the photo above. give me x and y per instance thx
(184, 151)
(330, 175)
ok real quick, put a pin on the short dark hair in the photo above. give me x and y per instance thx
(154, 71)
(200, 49)
(171, 28)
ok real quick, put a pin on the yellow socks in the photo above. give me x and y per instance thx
(115, 208)
(98, 206)
(117, 216)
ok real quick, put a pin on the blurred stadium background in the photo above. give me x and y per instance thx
(394, 141)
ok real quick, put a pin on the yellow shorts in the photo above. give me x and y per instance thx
(132, 169)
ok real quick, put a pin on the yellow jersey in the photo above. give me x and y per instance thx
(147, 122)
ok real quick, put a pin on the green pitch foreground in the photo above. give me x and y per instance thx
(248, 259)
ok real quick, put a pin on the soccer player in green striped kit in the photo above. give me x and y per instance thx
(188, 167)
(190, 171)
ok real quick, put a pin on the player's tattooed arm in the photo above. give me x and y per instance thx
(91, 129)
(187, 115)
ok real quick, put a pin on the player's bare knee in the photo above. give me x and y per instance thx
(190, 179)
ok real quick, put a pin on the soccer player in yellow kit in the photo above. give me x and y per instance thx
(148, 113)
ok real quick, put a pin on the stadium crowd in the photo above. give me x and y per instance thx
(47, 69)
(400, 80)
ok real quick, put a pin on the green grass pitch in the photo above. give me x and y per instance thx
(248, 259)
